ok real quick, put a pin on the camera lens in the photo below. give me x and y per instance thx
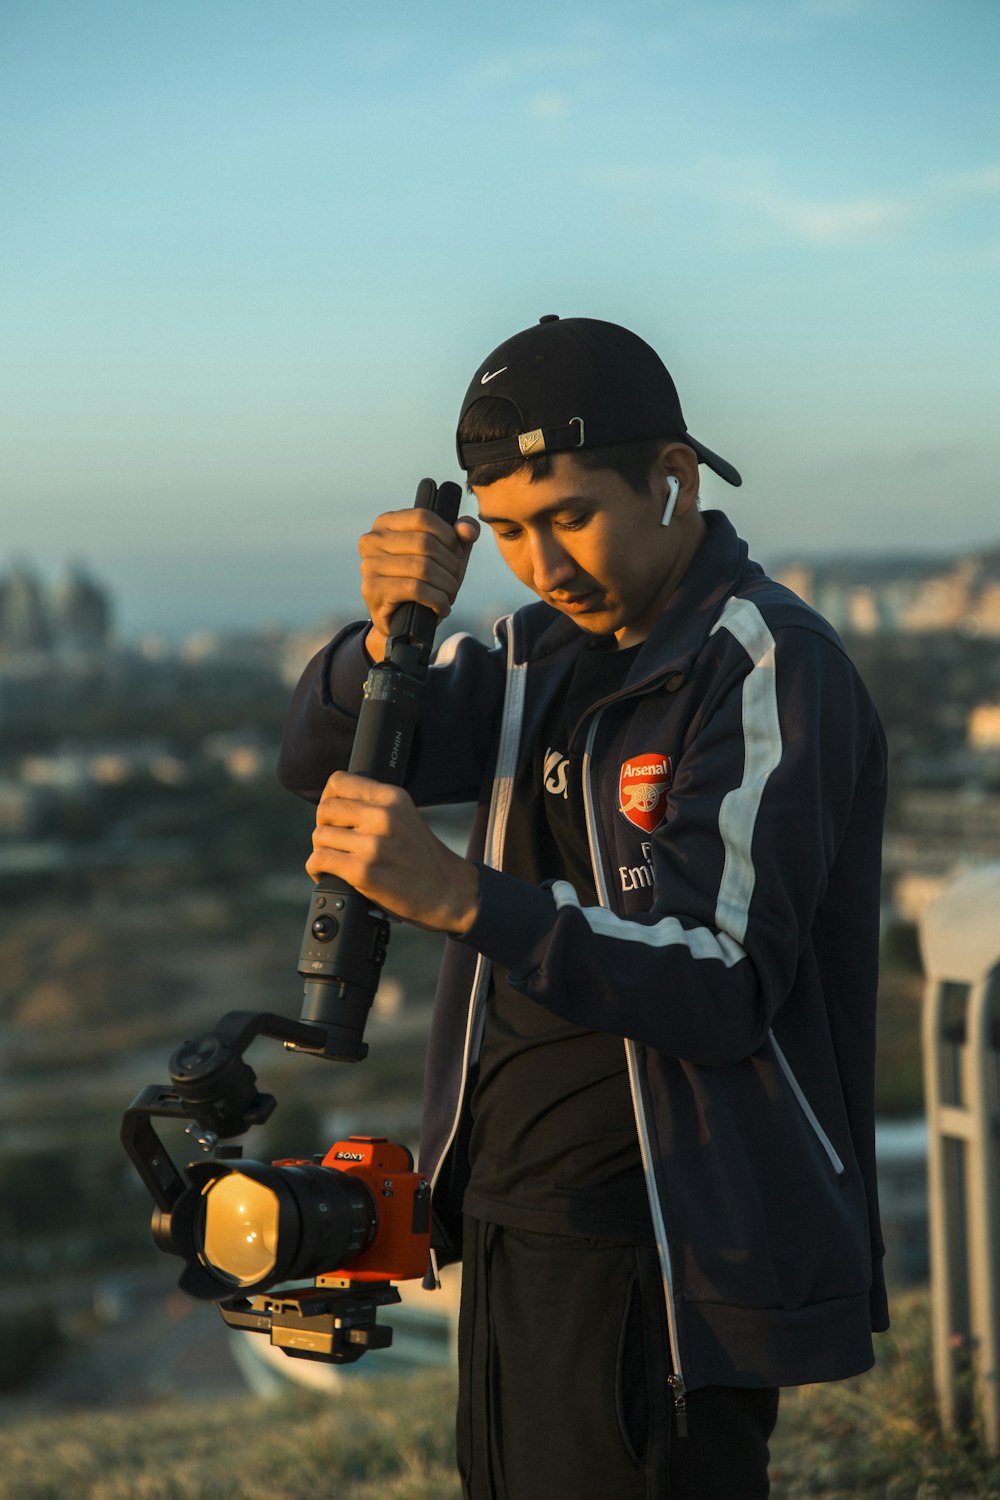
(256, 1225)
(241, 1229)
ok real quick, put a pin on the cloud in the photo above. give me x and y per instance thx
(981, 180)
(837, 222)
(846, 220)
(754, 184)
(549, 106)
(520, 62)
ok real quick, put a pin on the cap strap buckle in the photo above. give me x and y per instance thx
(525, 444)
(535, 440)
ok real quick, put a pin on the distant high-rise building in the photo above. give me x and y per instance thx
(81, 611)
(25, 623)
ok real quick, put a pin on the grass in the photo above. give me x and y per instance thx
(877, 1437)
(390, 1438)
(383, 1439)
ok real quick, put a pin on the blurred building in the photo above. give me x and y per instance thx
(25, 622)
(35, 619)
(984, 727)
(82, 612)
(908, 595)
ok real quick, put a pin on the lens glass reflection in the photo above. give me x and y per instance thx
(241, 1228)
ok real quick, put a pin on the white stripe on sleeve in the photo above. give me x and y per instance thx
(762, 752)
(448, 649)
(666, 933)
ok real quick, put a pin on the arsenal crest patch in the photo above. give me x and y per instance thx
(642, 789)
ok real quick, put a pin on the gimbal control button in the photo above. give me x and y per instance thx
(324, 928)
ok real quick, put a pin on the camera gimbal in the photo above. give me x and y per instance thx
(357, 1217)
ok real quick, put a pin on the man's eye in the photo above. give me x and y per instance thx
(508, 536)
(574, 524)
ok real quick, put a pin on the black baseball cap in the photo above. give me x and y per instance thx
(580, 383)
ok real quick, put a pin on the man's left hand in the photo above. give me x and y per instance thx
(372, 836)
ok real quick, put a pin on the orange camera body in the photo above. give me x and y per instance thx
(402, 1198)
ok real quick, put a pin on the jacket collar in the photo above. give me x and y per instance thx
(718, 567)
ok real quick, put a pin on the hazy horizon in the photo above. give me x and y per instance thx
(176, 594)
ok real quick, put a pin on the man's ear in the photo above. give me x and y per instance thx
(679, 460)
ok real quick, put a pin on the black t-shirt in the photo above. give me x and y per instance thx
(554, 1145)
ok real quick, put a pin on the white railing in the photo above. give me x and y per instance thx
(960, 938)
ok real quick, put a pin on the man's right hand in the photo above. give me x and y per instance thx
(412, 556)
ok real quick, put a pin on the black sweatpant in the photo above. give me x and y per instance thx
(563, 1368)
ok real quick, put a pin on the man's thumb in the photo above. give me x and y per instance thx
(467, 530)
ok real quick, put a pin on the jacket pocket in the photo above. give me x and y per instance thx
(631, 1389)
(806, 1107)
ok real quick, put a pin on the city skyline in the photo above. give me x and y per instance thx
(254, 253)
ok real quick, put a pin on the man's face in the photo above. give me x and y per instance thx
(588, 544)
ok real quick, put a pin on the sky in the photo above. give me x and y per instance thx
(252, 251)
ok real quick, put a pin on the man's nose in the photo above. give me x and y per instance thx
(551, 566)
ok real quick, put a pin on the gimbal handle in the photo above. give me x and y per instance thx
(346, 937)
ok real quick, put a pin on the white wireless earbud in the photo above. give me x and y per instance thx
(673, 490)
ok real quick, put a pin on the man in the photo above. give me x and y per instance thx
(650, 1075)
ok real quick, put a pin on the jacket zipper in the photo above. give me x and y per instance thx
(496, 829)
(806, 1107)
(676, 1380)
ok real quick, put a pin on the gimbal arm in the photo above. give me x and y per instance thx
(211, 1085)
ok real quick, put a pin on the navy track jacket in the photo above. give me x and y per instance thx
(735, 948)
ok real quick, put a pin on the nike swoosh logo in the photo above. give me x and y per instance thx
(492, 375)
